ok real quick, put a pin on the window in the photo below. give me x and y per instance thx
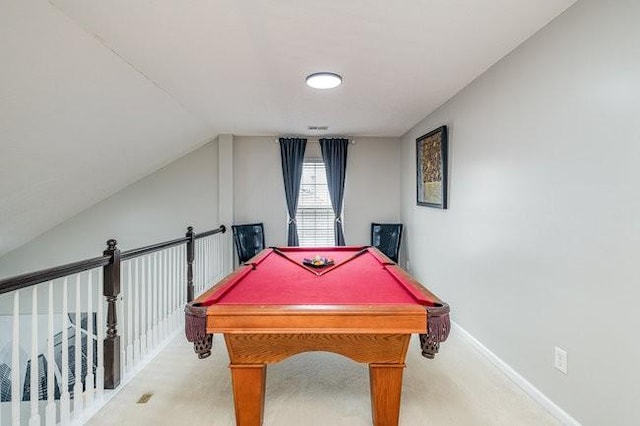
(314, 216)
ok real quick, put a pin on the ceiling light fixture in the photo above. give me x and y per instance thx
(324, 80)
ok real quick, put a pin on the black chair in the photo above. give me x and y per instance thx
(248, 239)
(386, 238)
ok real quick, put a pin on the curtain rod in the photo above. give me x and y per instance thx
(315, 138)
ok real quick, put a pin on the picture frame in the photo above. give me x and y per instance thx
(431, 168)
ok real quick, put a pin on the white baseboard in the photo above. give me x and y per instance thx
(512, 374)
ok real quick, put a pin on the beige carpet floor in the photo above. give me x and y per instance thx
(459, 387)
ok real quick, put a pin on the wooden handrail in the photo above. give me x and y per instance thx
(133, 253)
(32, 278)
(221, 228)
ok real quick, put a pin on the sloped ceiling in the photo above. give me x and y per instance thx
(96, 94)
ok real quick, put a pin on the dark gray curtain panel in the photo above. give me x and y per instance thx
(292, 155)
(334, 155)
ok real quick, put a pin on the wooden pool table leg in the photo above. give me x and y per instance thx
(248, 381)
(386, 389)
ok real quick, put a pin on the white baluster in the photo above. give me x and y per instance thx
(15, 362)
(149, 301)
(163, 279)
(149, 304)
(180, 285)
(129, 302)
(172, 285)
(203, 250)
(34, 419)
(214, 247)
(77, 387)
(203, 282)
(196, 265)
(50, 417)
(171, 293)
(100, 338)
(210, 260)
(176, 280)
(221, 267)
(165, 292)
(163, 295)
(170, 281)
(182, 280)
(205, 261)
(199, 269)
(157, 292)
(196, 269)
(143, 305)
(205, 264)
(214, 255)
(219, 257)
(156, 302)
(177, 262)
(65, 399)
(160, 290)
(207, 283)
(137, 306)
(200, 257)
(89, 380)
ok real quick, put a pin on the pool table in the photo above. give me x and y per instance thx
(352, 301)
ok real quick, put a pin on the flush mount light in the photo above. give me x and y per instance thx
(324, 80)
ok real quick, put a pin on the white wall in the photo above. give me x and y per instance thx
(258, 194)
(161, 205)
(158, 207)
(540, 245)
(371, 186)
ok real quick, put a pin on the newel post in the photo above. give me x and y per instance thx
(190, 256)
(111, 293)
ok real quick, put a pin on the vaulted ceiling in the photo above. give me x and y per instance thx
(96, 94)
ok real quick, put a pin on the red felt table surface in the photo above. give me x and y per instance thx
(279, 278)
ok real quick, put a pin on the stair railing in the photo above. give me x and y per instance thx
(83, 353)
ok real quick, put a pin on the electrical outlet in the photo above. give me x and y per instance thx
(560, 360)
(408, 266)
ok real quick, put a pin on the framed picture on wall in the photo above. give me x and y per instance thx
(431, 168)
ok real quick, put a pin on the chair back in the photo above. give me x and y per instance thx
(386, 237)
(248, 239)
